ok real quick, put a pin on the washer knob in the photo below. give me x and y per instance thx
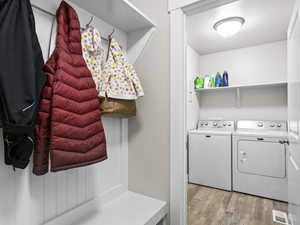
(229, 124)
(279, 125)
(260, 124)
(224, 124)
(215, 124)
(272, 125)
(206, 124)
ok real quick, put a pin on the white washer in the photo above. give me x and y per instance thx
(210, 154)
(260, 158)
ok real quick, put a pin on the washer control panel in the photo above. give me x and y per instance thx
(262, 125)
(216, 124)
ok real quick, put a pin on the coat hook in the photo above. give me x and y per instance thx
(89, 23)
(110, 36)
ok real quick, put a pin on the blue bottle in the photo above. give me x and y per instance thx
(225, 79)
(218, 80)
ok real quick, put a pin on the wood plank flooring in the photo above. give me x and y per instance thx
(208, 206)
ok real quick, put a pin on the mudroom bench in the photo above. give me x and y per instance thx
(128, 209)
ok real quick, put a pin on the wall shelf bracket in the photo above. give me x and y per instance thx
(238, 98)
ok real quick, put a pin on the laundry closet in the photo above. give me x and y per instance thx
(237, 112)
(95, 194)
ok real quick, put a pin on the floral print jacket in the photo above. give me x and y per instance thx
(114, 78)
(121, 80)
(93, 54)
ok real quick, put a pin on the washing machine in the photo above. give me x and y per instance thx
(260, 158)
(210, 154)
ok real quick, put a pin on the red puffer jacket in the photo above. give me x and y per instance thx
(69, 120)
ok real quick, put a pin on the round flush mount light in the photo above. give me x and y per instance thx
(229, 26)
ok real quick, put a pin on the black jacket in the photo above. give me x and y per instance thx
(21, 79)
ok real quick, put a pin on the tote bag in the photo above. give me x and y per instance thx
(119, 108)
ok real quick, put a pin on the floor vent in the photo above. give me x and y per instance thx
(280, 217)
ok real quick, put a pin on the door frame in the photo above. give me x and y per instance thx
(178, 100)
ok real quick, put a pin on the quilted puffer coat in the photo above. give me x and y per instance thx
(69, 119)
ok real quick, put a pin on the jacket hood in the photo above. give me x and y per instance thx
(68, 30)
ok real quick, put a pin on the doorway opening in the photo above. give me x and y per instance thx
(236, 113)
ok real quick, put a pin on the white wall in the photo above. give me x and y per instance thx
(26, 199)
(149, 153)
(193, 106)
(256, 104)
(258, 64)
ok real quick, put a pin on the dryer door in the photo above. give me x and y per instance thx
(262, 157)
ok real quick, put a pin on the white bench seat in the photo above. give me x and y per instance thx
(128, 209)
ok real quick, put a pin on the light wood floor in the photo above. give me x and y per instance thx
(208, 206)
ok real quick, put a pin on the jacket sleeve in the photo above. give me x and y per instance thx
(131, 73)
(119, 55)
(41, 152)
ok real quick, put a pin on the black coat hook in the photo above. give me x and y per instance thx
(110, 36)
(89, 23)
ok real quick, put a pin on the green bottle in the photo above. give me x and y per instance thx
(196, 82)
(212, 82)
(199, 82)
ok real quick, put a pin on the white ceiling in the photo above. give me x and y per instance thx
(266, 21)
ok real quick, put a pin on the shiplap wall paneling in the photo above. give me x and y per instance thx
(26, 199)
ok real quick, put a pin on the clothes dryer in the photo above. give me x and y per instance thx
(260, 158)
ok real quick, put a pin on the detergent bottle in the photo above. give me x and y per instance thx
(199, 82)
(225, 79)
(218, 80)
(206, 81)
(196, 82)
(212, 82)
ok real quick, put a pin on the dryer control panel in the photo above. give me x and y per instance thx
(262, 125)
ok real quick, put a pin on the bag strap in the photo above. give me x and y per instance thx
(106, 61)
(109, 48)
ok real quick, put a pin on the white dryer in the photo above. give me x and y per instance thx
(210, 154)
(260, 159)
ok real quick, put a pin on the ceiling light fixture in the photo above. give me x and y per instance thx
(229, 26)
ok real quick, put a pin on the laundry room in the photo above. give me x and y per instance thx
(237, 113)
